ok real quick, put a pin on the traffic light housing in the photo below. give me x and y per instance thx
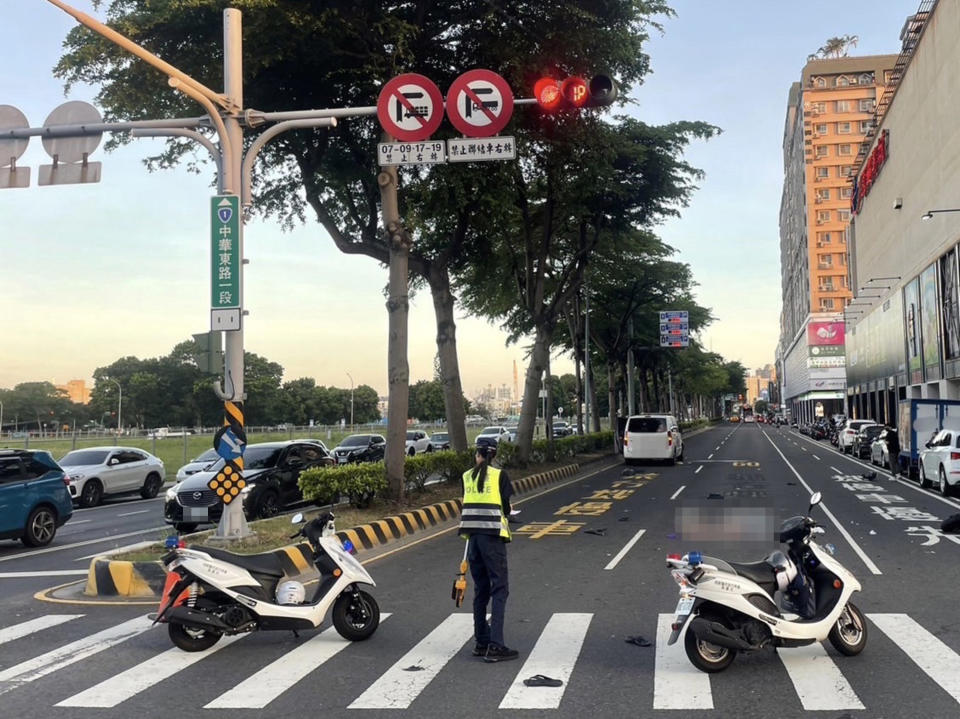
(209, 353)
(575, 92)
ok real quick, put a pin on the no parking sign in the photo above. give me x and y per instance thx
(410, 107)
(479, 103)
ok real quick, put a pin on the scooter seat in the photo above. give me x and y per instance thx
(266, 563)
(759, 572)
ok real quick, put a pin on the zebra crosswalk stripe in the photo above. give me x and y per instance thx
(677, 684)
(554, 655)
(134, 680)
(396, 688)
(18, 631)
(817, 679)
(934, 657)
(277, 677)
(68, 654)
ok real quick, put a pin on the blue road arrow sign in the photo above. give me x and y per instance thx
(227, 444)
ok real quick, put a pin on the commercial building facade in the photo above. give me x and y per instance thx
(904, 327)
(829, 114)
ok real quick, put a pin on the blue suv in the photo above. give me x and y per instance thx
(34, 499)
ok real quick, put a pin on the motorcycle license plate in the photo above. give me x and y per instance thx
(684, 606)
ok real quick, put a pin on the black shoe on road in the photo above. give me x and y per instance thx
(499, 654)
(479, 649)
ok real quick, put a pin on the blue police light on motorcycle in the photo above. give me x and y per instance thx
(348, 547)
(171, 542)
(694, 558)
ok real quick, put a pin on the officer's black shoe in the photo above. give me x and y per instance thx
(479, 649)
(497, 653)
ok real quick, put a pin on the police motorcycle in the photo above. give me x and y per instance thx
(731, 607)
(210, 592)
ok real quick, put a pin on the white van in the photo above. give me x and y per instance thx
(652, 436)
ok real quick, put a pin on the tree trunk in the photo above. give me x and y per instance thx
(594, 407)
(656, 389)
(612, 393)
(398, 369)
(548, 405)
(447, 352)
(531, 392)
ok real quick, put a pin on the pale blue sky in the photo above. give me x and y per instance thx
(91, 273)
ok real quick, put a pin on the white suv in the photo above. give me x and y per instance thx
(98, 471)
(652, 436)
(849, 431)
(418, 442)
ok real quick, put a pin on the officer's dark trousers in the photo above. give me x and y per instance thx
(488, 567)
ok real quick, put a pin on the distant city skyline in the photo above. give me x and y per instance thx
(98, 272)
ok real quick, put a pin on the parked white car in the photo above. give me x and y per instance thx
(848, 432)
(493, 435)
(418, 442)
(96, 472)
(652, 436)
(198, 464)
(940, 462)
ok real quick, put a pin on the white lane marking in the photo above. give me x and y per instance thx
(257, 691)
(677, 684)
(716, 449)
(18, 631)
(711, 456)
(683, 487)
(134, 680)
(554, 655)
(107, 538)
(846, 535)
(626, 548)
(835, 469)
(75, 522)
(697, 470)
(815, 456)
(130, 514)
(71, 653)
(803, 449)
(930, 654)
(51, 573)
(396, 688)
(818, 680)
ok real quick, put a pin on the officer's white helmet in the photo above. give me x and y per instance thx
(290, 593)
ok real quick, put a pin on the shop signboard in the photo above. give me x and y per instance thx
(950, 307)
(820, 334)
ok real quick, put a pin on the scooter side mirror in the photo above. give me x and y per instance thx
(297, 518)
(815, 499)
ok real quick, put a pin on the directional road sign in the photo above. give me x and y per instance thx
(227, 444)
(674, 328)
(410, 107)
(479, 103)
(225, 262)
(674, 316)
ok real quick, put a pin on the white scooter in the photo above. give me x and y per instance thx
(733, 605)
(211, 592)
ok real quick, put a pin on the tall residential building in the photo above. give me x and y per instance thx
(77, 390)
(829, 112)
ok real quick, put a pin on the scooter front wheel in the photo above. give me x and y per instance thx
(190, 639)
(707, 657)
(356, 615)
(849, 634)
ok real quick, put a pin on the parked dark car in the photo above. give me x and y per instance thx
(360, 448)
(271, 472)
(441, 440)
(864, 438)
(34, 499)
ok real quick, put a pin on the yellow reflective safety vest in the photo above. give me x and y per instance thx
(483, 511)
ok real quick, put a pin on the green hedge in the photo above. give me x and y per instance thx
(361, 482)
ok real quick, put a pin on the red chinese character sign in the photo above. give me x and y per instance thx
(479, 103)
(410, 107)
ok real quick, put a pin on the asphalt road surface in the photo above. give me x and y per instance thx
(576, 594)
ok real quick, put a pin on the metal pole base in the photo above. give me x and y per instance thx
(233, 524)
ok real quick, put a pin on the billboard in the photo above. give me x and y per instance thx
(911, 318)
(950, 305)
(825, 333)
(930, 334)
(875, 348)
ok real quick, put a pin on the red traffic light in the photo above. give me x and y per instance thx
(574, 92)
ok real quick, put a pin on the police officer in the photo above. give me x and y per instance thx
(484, 523)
